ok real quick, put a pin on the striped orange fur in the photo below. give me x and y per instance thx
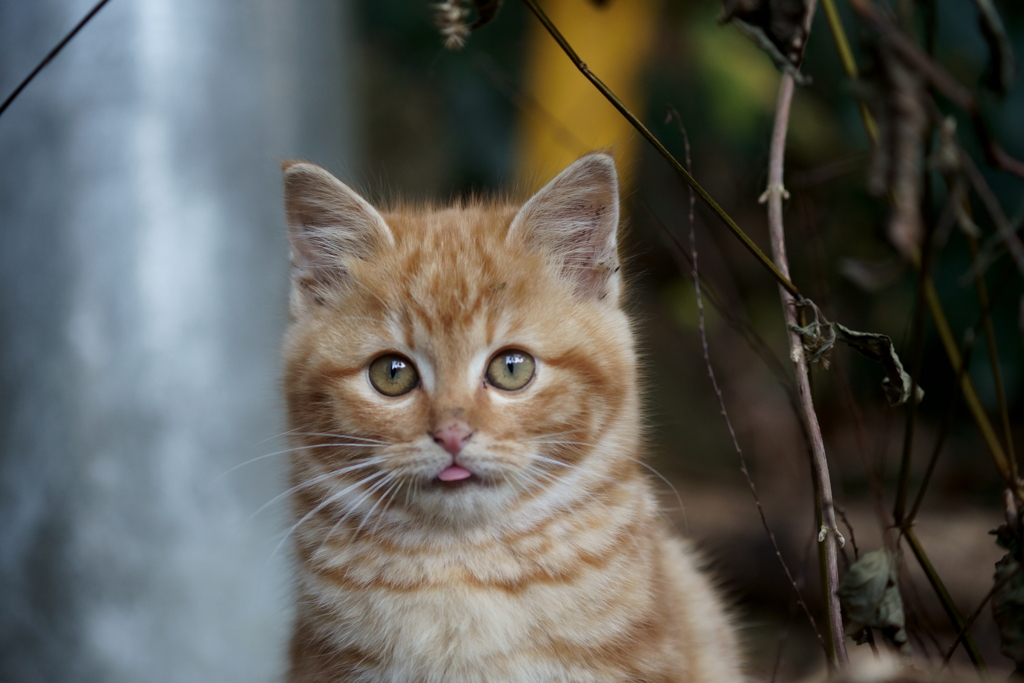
(451, 522)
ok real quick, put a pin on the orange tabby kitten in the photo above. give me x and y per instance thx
(462, 393)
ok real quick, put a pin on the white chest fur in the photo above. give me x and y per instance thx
(466, 630)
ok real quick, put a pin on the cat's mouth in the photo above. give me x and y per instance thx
(454, 473)
(455, 477)
(460, 484)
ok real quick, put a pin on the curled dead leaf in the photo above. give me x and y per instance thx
(775, 26)
(870, 596)
(820, 336)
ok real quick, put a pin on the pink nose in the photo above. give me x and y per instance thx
(453, 436)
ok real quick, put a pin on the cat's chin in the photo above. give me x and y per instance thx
(473, 501)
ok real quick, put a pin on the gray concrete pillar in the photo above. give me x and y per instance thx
(142, 296)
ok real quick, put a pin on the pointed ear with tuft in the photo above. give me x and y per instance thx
(329, 224)
(575, 218)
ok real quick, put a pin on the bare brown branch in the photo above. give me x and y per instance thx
(830, 538)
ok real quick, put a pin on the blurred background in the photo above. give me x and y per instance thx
(143, 284)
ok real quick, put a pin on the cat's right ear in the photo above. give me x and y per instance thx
(329, 224)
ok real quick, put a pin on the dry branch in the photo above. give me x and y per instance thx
(830, 538)
(943, 82)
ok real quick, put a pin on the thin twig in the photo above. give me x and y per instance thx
(525, 102)
(1010, 239)
(976, 613)
(984, 321)
(945, 598)
(829, 537)
(938, 315)
(967, 385)
(928, 251)
(943, 82)
(849, 63)
(941, 324)
(738, 324)
(849, 528)
(784, 635)
(53, 53)
(782, 279)
(917, 353)
(944, 430)
(695, 272)
(947, 423)
(1007, 233)
(993, 355)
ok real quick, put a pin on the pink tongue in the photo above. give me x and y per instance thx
(454, 473)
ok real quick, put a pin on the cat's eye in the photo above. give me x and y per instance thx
(393, 375)
(510, 369)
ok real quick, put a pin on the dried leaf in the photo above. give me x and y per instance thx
(1002, 66)
(870, 596)
(879, 348)
(818, 339)
(450, 17)
(775, 26)
(820, 336)
(946, 157)
(899, 107)
(486, 10)
(1008, 596)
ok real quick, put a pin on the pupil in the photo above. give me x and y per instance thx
(511, 361)
(396, 367)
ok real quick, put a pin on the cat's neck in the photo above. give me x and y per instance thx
(551, 537)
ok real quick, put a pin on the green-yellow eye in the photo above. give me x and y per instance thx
(393, 375)
(510, 369)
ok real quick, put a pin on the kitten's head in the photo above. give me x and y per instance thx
(457, 366)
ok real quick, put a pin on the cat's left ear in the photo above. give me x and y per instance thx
(575, 218)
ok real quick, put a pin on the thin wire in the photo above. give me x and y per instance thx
(53, 53)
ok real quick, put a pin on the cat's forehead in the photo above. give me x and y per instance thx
(456, 254)
(477, 226)
(451, 274)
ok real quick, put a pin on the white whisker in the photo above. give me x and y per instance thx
(352, 509)
(321, 506)
(389, 496)
(373, 507)
(339, 436)
(320, 478)
(553, 434)
(639, 461)
(293, 450)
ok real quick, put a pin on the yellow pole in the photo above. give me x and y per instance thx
(571, 117)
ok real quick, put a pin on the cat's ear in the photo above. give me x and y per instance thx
(575, 218)
(329, 224)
